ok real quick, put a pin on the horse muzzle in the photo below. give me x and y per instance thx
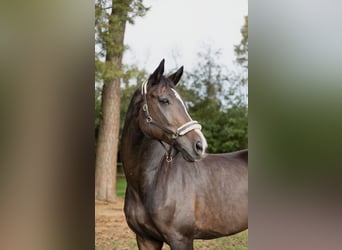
(192, 146)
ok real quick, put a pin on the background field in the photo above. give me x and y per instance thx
(112, 232)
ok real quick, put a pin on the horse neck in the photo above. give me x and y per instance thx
(140, 154)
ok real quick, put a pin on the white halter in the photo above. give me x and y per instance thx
(182, 130)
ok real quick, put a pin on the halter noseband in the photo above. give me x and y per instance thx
(182, 130)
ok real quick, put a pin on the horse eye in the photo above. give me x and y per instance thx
(164, 101)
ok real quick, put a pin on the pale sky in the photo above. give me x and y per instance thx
(177, 29)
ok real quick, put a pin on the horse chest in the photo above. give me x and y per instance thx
(138, 218)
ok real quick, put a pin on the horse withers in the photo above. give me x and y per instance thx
(175, 191)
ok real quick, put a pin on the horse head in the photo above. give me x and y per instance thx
(164, 117)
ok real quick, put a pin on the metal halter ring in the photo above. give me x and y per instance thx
(174, 136)
(145, 107)
(168, 158)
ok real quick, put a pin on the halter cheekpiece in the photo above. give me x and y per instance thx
(182, 130)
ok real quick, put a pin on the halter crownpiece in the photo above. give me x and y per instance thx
(144, 87)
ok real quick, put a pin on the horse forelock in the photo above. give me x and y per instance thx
(137, 98)
(164, 82)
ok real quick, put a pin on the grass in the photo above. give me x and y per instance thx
(235, 242)
(121, 186)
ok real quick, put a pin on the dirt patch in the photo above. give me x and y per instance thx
(110, 226)
(113, 233)
(111, 229)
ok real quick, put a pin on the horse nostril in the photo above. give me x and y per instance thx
(198, 147)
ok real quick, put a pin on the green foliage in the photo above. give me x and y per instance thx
(206, 80)
(109, 15)
(121, 185)
(110, 23)
(241, 50)
(241, 53)
(137, 9)
(226, 131)
(214, 100)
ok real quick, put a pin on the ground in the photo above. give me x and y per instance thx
(113, 233)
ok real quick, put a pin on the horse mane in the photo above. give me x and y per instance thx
(134, 105)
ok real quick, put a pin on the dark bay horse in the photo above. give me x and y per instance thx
(175, 191)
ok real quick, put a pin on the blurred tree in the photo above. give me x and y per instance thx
(241, 50)
(241, 53)
(213, 100)
(110, 24)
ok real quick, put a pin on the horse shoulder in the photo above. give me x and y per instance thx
(137, 215)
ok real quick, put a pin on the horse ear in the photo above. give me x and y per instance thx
(157, 74)
(175, 77)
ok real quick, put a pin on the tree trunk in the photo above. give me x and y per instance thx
(108, 138)
(107, 146)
